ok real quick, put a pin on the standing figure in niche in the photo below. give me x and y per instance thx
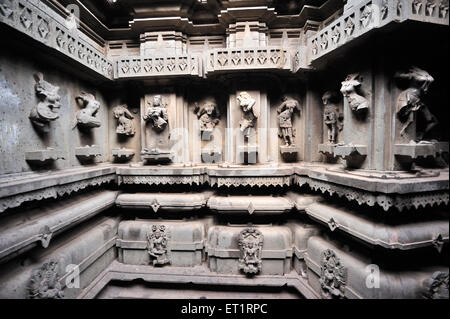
(157, 114)
(410, 104)
(331, 116)
(124, 120)
(208, 115)
(247, 104)
(86, 116)
(285, 114)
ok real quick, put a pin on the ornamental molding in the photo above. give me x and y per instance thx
(53, 191)
(162, 180)
(385, 201)
(250, 181)
(44, 25)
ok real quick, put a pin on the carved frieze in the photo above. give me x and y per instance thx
(44, 283)
(333, 275)
(85, 117)
(157, 246)
(248, 106)
(351, 91)
(208, 115)
(49, 101)
(125, 125)
(250, 243)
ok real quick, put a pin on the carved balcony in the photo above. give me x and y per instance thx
(56, 31)
(369, 15)
(239, 59)
(154, 66)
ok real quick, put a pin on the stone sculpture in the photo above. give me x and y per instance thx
(331, 116)
(410, 104)
(208, 114)
(436, 287)
(157, 114)
(248, 121)
(157, 245)
(286, 112)
(443, 9)
(124, 118)
(358, 103)
(333, 275)
(45, 282)
(49, 101)
(250, 244)
(366, 16)
(86, 117)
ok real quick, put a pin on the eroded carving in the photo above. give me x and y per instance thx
(45, 282)
(86, 116)
(332, 118)
(443, 9)
(250, 115)
(250, 244)
(350, 90)
(436, 287)
(45, 111)
(410, 104)
(208, 114)
(285, 116)
(124, 118)
(156, 114)
(366, 16)
(333, 275)
(158, 245)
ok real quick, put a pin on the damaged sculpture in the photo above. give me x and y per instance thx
(44, 112)
(124, 118)
(331, 116)
(86, 117)
(45, 282)
(250, 114)
(357, 102)
(208, 114)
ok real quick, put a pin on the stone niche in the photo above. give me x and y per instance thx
(207, 126)
(247, 34)
(163, 43)
(284, 143)
(356, 90)
(246, 137)
(159, 114)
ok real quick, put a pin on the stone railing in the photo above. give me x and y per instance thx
(228, 59)
(373, 14)
(38, 21)
(150, 66)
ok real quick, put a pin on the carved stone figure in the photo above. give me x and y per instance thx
(86, 117)
(286, 112)
(416, 6)
(157, 245)
(247, 104)
(250, 244)
(410, 104)
(44, 112)
(45, 282)
(333, 275)
(437, 286)
(331, 116)
(366, 16)
(124, 118)
(429, 7)
(208, 114)
(443, 9)
(157, 114)
(349, 27)
(349, 89)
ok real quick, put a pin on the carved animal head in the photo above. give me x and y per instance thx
(416, 77)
